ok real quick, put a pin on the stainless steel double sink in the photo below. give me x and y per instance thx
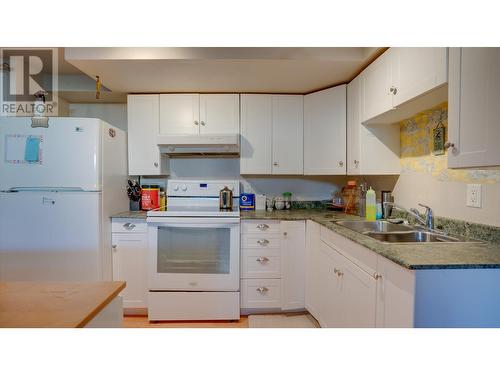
(385, 231)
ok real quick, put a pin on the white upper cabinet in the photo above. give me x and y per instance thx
(256, 134)
(179, 114)
(193, 114)
(143, 122)
(370, 149)
(325, 132)
(219, 113)
(417, 71)
(288, 134)
(402, 82)
(377, 87)
(474, 107)
(271, 134)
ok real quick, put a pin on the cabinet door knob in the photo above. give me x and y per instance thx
(377, 276)
(196, 122)
(263, 242)
(263, 259)
(338, 272)
(262, 289)
(448, 145)
(393, 90)
(356, 163)
(156, 164)
(114, 247)
(203, 123)
(341, 163)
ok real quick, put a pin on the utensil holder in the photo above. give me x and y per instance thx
(135, 205)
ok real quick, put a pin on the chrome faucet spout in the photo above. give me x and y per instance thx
(428, 222)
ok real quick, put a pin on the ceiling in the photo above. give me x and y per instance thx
(256, 70)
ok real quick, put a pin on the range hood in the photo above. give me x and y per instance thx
(196, 145)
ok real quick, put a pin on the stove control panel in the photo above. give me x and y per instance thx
(198, 188)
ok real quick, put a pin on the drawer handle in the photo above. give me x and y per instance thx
(129, 226)
(263, 242)
(262, 226)
(262, 289)
(262, 259)
(377, 276)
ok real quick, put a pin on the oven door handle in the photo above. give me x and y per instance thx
(192, 221)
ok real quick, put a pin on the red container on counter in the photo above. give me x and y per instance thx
(150, 197)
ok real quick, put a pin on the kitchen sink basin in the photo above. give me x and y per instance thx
(385, 231)
(374, 226)
(416, 236)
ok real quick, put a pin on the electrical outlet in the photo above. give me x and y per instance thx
(473, 195)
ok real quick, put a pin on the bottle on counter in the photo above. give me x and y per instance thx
(379, 210)
(163, 200)
(287, 198)
(371, 205)
(362, 200)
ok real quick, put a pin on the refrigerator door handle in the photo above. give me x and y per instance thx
(46, 200)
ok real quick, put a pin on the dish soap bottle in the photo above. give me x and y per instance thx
(371, 205)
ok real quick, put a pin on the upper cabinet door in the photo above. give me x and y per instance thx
(417, 71)
(256, 134)
(219, 114)
(179, 114)
(143, 123)
(325, 132)
(353, 125)
(288, 134)
(377, 85)
(473, 107)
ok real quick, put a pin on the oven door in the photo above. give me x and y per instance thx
(194, 254)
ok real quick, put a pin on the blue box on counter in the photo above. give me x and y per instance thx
(247, 202)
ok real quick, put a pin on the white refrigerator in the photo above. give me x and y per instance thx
(58, 187)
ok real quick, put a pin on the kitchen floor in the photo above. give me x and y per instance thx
(253, 321)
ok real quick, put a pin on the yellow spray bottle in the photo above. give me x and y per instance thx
(371, 205)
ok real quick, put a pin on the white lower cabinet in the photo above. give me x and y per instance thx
(293, 249)
(347, 285)
(272, 265)
(395, 295)
(260, 293)
(348, 294)
(130, 261)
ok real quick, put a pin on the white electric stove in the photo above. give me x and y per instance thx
(194, 253)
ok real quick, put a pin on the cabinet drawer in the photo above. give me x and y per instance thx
(129, 226)
(260, 241)
(260, 226)
(259, 264)
(261, 293)
(359, 255)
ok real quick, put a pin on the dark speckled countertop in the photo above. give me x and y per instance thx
(410, 255)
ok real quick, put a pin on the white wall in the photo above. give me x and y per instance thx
(302, 188)
(447, 198)
(114, 114)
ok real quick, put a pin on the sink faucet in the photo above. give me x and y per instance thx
(428, 222)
